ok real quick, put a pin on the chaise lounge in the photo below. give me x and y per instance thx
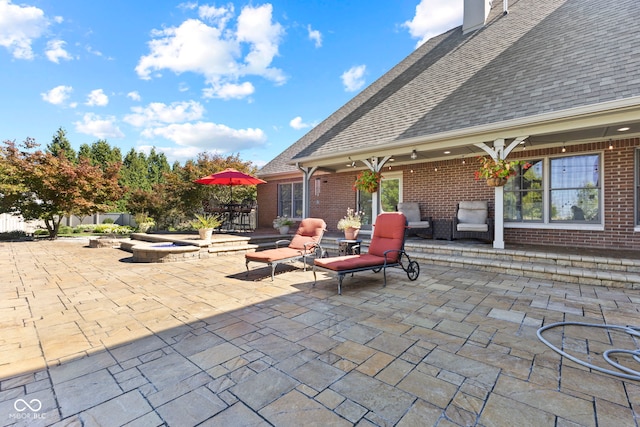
(305, 243)
(385, 250)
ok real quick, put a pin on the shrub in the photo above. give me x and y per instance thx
(113, 229)
(41, 232)
(12, 235)
(65, 229)
(85, 228)
(108, 221)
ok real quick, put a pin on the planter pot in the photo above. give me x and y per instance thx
(496, 182)
(205, 233)
(284, 229)
(351, 233)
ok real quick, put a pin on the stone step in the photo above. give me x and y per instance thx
(579, 269)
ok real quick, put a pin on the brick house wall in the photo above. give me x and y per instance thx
(439, 186)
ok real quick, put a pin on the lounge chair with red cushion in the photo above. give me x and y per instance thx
(385, 250)
(306, 242)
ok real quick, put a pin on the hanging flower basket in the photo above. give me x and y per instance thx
(497, 172)
(367, 181)
(496, 182)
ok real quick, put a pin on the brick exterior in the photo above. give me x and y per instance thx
(438, 192)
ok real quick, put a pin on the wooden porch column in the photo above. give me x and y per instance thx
(307, 172)
(498, 152)
(376, 165)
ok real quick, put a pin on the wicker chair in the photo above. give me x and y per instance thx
(472, 221)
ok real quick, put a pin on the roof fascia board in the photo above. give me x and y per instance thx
(610, 112)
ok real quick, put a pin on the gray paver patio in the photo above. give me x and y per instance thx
(89, 338)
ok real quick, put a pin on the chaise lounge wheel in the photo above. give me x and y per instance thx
(413, 270)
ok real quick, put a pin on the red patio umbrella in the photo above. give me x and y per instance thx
(230, 177)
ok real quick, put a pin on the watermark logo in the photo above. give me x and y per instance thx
(22, 406)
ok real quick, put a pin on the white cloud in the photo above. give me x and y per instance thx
(434, 18)
(217, 52)
(209, 136)
(194, 47)
(158, 113)
(97, 98)
(93, 51)
(134, 95)
(315, 36)
(19, 27)
(55, 51)
(58, 95)
(216, 15)
(100, 127)
(353, 78)
(298, 124)
(229, 91)
(255, 27)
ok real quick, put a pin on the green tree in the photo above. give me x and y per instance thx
(135, 173)
(39, 185)
(178, 197)
(100, 153)
(157, 167)
(60, 146)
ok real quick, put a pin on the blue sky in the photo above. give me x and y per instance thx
(244, 77)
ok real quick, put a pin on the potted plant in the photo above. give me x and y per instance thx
(368, 181)
(282, 224)
(205, 225)
(351, 224)
(497, 172)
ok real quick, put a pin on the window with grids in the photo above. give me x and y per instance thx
(290, 200)
(574, 189)
(524, 194)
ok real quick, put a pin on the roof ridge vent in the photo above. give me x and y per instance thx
(475, 14)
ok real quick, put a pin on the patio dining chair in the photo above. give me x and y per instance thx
(305, 243)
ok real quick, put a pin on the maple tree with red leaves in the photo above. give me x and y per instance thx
(42, 185)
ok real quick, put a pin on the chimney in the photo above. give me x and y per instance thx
(475, 14)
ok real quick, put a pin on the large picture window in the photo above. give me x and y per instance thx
(556, 190)
(575, 188)
(290, 200)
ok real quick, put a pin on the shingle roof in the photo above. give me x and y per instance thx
(544, 56)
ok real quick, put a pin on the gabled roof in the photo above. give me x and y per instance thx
(543, 57)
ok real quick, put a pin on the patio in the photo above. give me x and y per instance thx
(89, 337)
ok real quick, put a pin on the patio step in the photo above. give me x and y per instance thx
(221, 244)
(546, 265)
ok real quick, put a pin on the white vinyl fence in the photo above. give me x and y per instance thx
(17, 223)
